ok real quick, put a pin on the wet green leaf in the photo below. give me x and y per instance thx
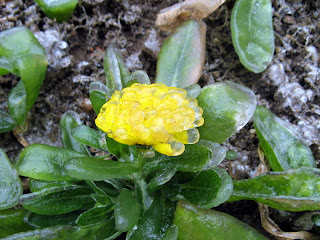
(6, 122)
(68, 122)
(138, 77)
(10, 183)
(196, 223)
(90, 168)
(182, 55)
(37, 185)
(172, 233)
(117, 75)
(59, 9)
(100, 231)
(162, 177)
(294, 190)
(99, 94)
(208, 188)
(22, 55)
(252, 33)
(42, 221)
(94, 215)
(155, 221)
(11, 221)
(126, 211)
(58, 200)
(193, 90)
(144, 198)
(44, 162)
(89, 136)
(282, 145)
(121, 151)
(196, 157)
(227, 107)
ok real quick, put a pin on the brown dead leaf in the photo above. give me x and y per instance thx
(169, 18)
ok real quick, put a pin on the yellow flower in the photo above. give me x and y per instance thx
(156, 115)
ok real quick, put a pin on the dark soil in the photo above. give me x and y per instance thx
(290, 86)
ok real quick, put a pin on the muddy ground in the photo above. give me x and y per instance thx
(290, 86)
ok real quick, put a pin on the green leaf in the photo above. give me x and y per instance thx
(37, 185)
(162, 177)
(121, 151)
(93, 216)
(182, 55)
(22, 55)
(100, 231)
(69, 121)
(252, 33)
(155, 221)
(196, 223)
(89, 136)
(117, 75)
(126, 211)
(193, 91)
(11, 221)
(282, 145)
(208, 188)
(144, 198)
(10, 183)
(45, 162)
(42, 221)
(172, 233)
(227, 107)
(197, 157)
(6, 122)
(138, 77)
(99, 94)
(59, 9)
(58, 200)
(316, 220)
(90, 168)
(294, 190)
(17, 103)
(100, 196)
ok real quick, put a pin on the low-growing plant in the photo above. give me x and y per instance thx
(22, 55)
(156, 171)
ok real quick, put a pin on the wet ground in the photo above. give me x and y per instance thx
(290, 86)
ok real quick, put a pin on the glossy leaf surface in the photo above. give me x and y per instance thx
(6, 122)
(196, 223)
(59, 9)
(100, 231)
(58, 200)
(22, 55)
(94, 215)
(282, 145)
(126, 211)
(182, 55)
(89, 136)
(138, 77)
(45, 162)
(293, 190)
(42, 221)
(10, 183)
(252, 33)
(11, 221)
(99, 95)
(90, 168)
(227, 107)
(69, 121)
(196, 157)
(37, 185)
(162, 177)
(117, 75)
(208, 188)
(155, 221)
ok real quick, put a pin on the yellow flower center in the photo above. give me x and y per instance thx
(156, 115)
